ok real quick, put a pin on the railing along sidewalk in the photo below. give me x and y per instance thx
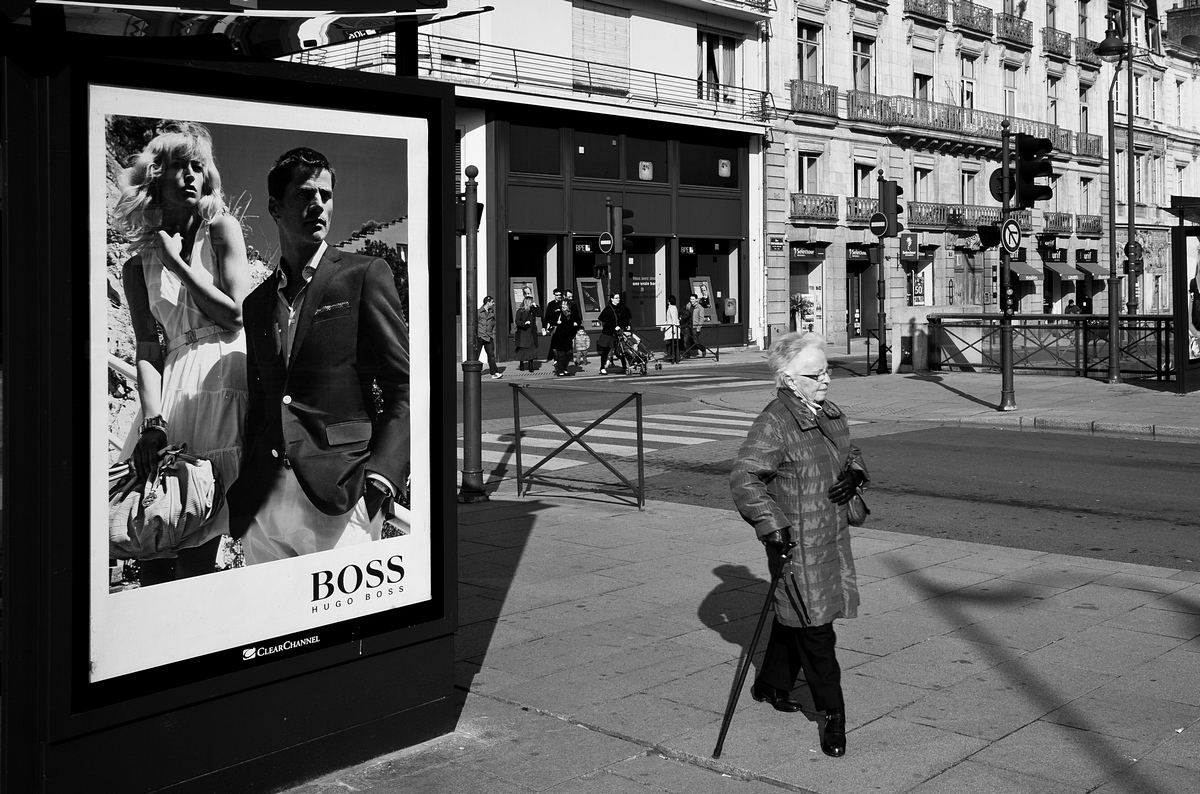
(526, 478)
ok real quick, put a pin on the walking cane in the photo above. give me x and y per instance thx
(740, 679)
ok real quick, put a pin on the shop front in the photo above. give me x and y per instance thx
(683, 213)
(1062, 281)
(862, 290)
(1095, 279)
(806, 283)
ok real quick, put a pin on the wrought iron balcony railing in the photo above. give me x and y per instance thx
(1064, 140)
(906, 111)
(813, 207)
(1085, 52)
(1088, 145)
(934, 9)
(505, 68)
(1057, 222)
(973, 17)
(1012, 28)
(815, 98)
(860, 210)
(1056, 42)
(1089, 224)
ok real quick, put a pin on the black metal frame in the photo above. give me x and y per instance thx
(1077, 344)
(526, 477)
(282, 720)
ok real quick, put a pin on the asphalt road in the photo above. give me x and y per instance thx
(1109, 498)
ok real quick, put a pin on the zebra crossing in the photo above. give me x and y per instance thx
(615, 438)
(694, 381)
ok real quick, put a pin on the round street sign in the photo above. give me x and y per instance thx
(1133, 250)
(879, 224)
(1010, 235)
(606, 243)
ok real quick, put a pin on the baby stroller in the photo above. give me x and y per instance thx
(633, 351)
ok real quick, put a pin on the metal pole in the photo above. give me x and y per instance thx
(472, 472)
(881, 289)
(1008, 400)
(739, 680)
(1114, 285)
(1129, 154)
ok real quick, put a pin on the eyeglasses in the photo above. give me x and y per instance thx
(825, 374)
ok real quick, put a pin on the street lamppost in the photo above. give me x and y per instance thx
(1113, 50)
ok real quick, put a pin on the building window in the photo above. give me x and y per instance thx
(1083, 19)
(1052, 14)
(967, 82)
(1179, 103)
(864, 180)
(716, 61)
(809, 38)
(1010, 90)
(709, 166)
(922, 184)
(1155, 87)
(534, 150)
(1084, 93)
(600, 48)
(864, 53)
(923, 87)
(1087, 198)
(969, 186)
(1052, 100)
(807, 175)
(1180, 179)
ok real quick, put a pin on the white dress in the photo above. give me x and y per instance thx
(204, 393)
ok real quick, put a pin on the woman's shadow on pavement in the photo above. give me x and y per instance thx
(732, 609)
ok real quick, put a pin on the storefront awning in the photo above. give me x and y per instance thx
(1025, 271)
(1065, 272)
(1094, 269)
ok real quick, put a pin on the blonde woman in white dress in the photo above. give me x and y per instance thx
(188, 276)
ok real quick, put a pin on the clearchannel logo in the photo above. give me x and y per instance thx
(267, 650)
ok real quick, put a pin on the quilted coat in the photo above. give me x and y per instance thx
(780, 481)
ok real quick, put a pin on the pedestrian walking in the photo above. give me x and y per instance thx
(526, 336)
(791, 480)
(613, 319)
(671, 331)
(486, 332)
(692, 319)
(562, 341)
(550, 319)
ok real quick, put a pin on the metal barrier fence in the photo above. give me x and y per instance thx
(527, 477)
(1076, 344)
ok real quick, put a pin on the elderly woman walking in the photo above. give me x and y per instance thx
(791, 481)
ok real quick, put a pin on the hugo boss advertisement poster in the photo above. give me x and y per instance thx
(259, 344)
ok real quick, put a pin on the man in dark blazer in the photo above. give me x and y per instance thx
(319, 467)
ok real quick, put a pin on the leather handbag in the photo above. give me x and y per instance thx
(157, 518)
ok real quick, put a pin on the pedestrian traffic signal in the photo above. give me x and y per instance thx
(619, 226)
(1032, 162)
(989, 236)
(889, 192)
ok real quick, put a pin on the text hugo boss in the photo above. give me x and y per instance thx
(352, 578)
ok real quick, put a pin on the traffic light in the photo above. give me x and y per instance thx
(889, 192)
(460, 214)
(1032, 162)
(618, 226)
(989, 236)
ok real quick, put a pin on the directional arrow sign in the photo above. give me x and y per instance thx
(879, 224)
(1010, 235)
(606, 243)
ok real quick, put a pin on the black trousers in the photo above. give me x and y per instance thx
(811, 649)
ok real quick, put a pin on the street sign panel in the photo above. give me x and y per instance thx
(1133, 250)
(996, 184)
(908, 246)
(1010, 235)
(879, 224)
(606, 243)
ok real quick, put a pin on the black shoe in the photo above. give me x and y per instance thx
(780, 699)
(834, 741)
